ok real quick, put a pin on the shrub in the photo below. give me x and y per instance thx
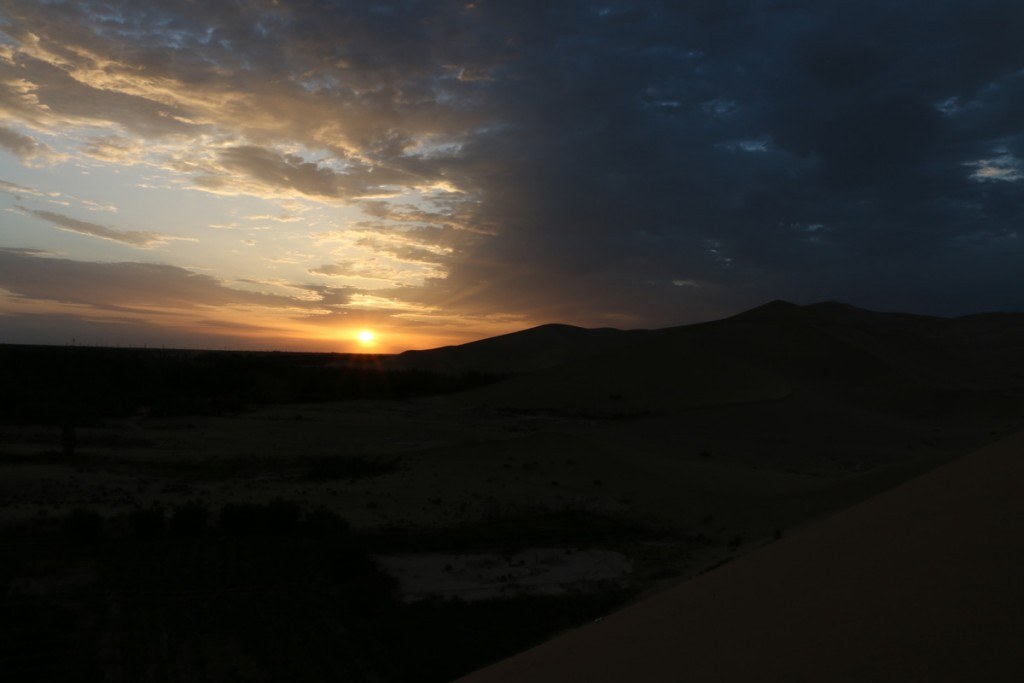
(189, 519)
(83, 525)
(147, 523)
(324, 468)
(322, 522)
(276, 517)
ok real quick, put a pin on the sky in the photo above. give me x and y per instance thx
(284, 174)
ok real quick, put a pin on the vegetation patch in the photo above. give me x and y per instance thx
(325, 468)
(286, 590)
(514, 533)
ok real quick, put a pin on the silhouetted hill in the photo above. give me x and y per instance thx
(777, 310)
(898, 362)
(974, 352)
(890, 361)
(524, 351)
(790, 341)
(658, 372)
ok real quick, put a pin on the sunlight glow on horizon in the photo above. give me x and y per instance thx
(204, 226)
(281, 175)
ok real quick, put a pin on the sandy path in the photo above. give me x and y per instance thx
(922, 583)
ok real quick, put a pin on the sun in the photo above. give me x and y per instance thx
(366, 337)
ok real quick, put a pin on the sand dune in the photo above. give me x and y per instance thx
(827, 342)
(921, 583)
(883, 361)
(662, 373)
(528, 350)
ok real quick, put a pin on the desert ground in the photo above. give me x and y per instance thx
(920, 583)
(419, 516)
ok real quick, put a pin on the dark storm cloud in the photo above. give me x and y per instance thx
(603, 151)
(807, 150)
(344, 75)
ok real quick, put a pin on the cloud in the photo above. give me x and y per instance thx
(85, 329)
(393, 253)
(26, 148)
(329, 296)
(266, 172)
(278, 218)
(1004, 168)
(114, 148)
(336, 77)
(132, 238)
(20, 190)
(123, 285)
(408, 247)
(97, 206)
(21, 145)
(387, 304)
(552, 160)
(333, 269)
(373, 268)
(698, 126)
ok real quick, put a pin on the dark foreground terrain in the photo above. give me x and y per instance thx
(921, 583)
(217, 516)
